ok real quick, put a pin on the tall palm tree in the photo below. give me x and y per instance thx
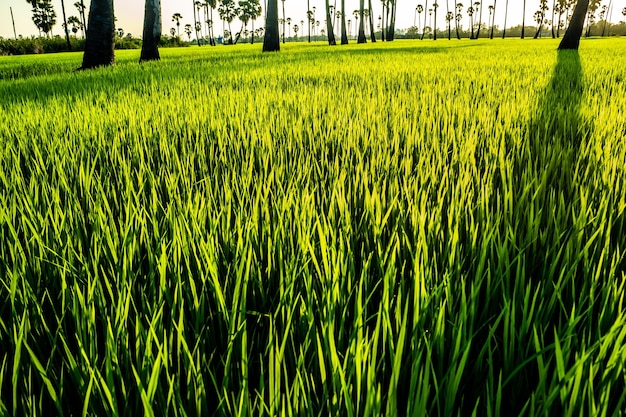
(424, 26)
(271, 41)
(196, 12)
(457, 18)
(177, 17)
(100, 43)
(506, 12)
(151, 31)
(329, 25)
(344, 34)
(571, 39)
(67, 31)
(435, 7)
(361, 37)
(523, 18)
(370, 16)
(480, 17)
(492, 9)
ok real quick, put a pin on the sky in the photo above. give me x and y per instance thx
(130, 13)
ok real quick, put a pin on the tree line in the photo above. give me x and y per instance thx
(100, 31)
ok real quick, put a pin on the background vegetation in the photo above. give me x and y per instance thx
(391, 229)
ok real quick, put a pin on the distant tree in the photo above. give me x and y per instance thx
(492, 16)
(228, 11)
(44, 16)
(76, 24)
(470, 13)
(296, 28)
(506, 12)
(449, 18)
(197, 6)
(177, 17)
(424, 25)
(458, 18)
(173, 32)
(435, 7)
(80, 6)
(100, 42)
(119, 32)
(540, 16)
(571, 39)
(271, 42)
(419, 9)
(479, 10)
(65, 29)
(248, 10)
(188, 29)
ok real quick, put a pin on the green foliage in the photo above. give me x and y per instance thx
(234, 233)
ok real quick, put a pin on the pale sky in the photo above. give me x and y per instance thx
(130, 13)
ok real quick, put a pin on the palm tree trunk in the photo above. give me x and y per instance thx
(371, 15)
(100, 43)
(552, 24)
(151, 31)
(271, 41)
(480, 20)
(361, 38)
(425, 14)
(195, 21)
(506, 12)
(392, 24)
(329, 26)
(571, 39)
(523, 18)
(493, 19)
(67, 32)
(344, 34)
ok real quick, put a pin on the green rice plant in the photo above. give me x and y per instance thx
(383, 229)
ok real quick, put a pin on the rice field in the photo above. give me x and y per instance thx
(411, 228)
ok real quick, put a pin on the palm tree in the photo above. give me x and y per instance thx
(271, 41)
(539, 17)
(361, 37)
(523, 18)
(228, 11)
(506, 12)
(571, 39)
(67, 32)
(80, 6)
(458, 17)
(370, 15)
(296, 28)
(344, 34)
(435, 6)
(424, 27)
(100, 43)
(492, 9)
(449, 18)
(197, 5)
(419, 9)
(177, 17)
(283, 21)
(329, 24)
(188, 31)
(480, 17)
(151, 31)
(470, 13)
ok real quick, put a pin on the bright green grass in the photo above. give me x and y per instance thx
(415, 228)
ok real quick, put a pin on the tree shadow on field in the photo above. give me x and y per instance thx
(545, 190)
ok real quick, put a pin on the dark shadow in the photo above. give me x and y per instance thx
(546, 190)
